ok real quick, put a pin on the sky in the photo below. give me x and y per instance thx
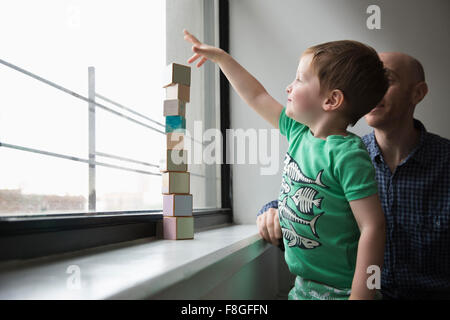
(58, 40)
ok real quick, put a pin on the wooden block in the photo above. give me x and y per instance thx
(178, 91)
(177, 205)
(175, 123)
(174, 107)
(175, 160)
(178, 228)
(177, 73)
(175, 140)
(175, 182)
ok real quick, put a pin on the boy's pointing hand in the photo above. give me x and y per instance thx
(202, 50)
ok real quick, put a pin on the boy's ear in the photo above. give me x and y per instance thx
(333, 100)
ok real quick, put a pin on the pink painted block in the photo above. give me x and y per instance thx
(170, 229)
(178, 228)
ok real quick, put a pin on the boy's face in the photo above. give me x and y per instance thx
(304, 99)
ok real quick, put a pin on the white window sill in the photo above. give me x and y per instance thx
(136, 269)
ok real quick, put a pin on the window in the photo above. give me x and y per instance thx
(60, 61)
(115, 53)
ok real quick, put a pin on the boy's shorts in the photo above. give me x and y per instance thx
(312, 290)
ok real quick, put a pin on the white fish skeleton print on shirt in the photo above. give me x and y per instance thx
(287, 213)
(296, 240)
(304, 199)
(285, 188)
(295, 174)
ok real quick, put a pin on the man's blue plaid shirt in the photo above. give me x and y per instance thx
(416, 202)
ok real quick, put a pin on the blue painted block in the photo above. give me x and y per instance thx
(175, 123)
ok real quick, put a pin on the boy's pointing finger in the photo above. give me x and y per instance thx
(190, 37)
(202, 61)
(193, 58)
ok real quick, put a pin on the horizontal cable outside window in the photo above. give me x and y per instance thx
(62, 156)
(76, 95)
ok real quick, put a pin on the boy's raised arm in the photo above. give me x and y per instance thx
(248, 88)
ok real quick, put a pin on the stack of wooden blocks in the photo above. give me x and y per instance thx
(178, 222)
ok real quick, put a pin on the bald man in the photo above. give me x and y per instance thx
(413, 173)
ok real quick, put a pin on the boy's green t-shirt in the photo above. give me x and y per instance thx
(320, 177)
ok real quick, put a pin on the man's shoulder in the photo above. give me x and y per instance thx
(367, 139)
(436, 148)
(437, 141)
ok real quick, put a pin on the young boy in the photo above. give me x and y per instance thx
(329, 211)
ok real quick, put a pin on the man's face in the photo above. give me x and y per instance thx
(304, 94)
(397, 102)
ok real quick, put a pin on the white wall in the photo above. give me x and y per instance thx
(268, 36)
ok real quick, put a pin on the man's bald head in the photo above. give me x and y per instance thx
(407, 88)
(404, 65)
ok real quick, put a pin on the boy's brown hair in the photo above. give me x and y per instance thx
(355, 69)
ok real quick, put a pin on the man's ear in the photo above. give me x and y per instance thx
(334, 100)
(419, 92)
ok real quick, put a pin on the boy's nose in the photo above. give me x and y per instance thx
(288, 89)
